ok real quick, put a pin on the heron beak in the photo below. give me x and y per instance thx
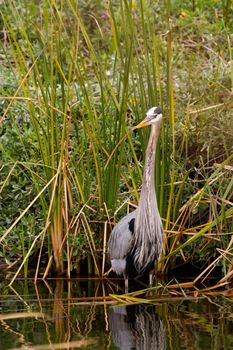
(142, 124)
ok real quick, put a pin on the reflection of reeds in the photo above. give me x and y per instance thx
(187, 323)
(66, 324)
(13, 316)
(179, 316)
(74, 344)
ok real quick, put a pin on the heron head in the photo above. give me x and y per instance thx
(153, 116)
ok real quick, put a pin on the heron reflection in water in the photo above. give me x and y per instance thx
(136, 242)
(137, 327)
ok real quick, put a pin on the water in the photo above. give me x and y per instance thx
(61, 315)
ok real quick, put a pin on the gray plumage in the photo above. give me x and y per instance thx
(143, 243)
(120, 243)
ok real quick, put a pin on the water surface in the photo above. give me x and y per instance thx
(71, 315)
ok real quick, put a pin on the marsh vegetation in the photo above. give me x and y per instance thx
(75, 77)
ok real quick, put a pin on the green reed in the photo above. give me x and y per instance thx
(83, 93)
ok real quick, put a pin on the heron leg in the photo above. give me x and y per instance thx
(126, 278)
(151, 278)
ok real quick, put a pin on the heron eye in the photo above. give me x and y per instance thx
(153, 116)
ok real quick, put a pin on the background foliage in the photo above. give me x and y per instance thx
(76, 76)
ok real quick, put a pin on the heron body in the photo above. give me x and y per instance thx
(136, 242)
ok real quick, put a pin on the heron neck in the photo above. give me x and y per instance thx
(148, 183)
(148, 236)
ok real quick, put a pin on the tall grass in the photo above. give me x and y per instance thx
(83, 87)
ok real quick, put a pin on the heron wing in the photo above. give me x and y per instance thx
(120, 241)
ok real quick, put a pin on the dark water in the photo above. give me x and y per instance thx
(59, 315)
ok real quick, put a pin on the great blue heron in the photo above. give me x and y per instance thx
(136, 242)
